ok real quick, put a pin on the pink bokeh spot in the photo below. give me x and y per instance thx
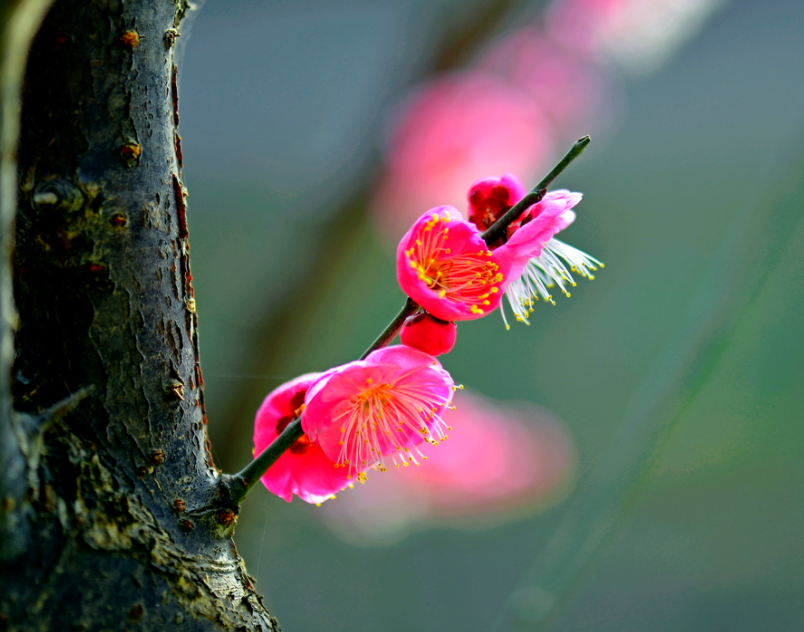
(501, 461)
(387, 404)
(562, 80)
(304, 469)
(582, 23)
(444, 265)
(454, 130)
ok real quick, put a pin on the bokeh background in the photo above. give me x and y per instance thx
(664, 487)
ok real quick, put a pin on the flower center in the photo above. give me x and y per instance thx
(388, 419)
(464, 277)
(489, 206)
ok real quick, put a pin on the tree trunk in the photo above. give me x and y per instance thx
(113, 514)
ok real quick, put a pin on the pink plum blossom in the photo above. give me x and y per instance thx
(454, 130)
(427, 333)
(501, 461)
(304, 469)
(445, 266)
(532, 258)
(538, 224)
(387, 404)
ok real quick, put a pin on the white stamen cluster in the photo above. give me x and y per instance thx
(545, 271)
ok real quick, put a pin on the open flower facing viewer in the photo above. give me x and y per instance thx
(385, 405)
(445, 266)
(353, 416)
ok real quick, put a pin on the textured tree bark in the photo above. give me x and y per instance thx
(113, 515)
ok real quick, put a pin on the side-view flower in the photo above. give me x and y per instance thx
(304, 469)
(354, 416)
(534, 259)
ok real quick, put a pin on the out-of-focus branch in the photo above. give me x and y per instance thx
(19, 20)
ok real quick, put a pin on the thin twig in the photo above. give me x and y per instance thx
(37, 425)
(240, 484)
(390, 332)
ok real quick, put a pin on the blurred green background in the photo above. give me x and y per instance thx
(678, 371)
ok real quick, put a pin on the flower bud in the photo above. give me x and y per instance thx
(490, 198)
(429, 334)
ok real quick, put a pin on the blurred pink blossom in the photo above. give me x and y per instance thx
(499, 462)
(566, 86)
(640, 35)
(452, 131)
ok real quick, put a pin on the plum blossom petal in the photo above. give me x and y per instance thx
(540, 222)
(304, 469)
(490, 198)
(387, 404)
(445, 266)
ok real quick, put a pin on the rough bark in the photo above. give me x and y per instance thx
(113, 515)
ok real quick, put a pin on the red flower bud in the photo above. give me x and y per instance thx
(429, 334)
